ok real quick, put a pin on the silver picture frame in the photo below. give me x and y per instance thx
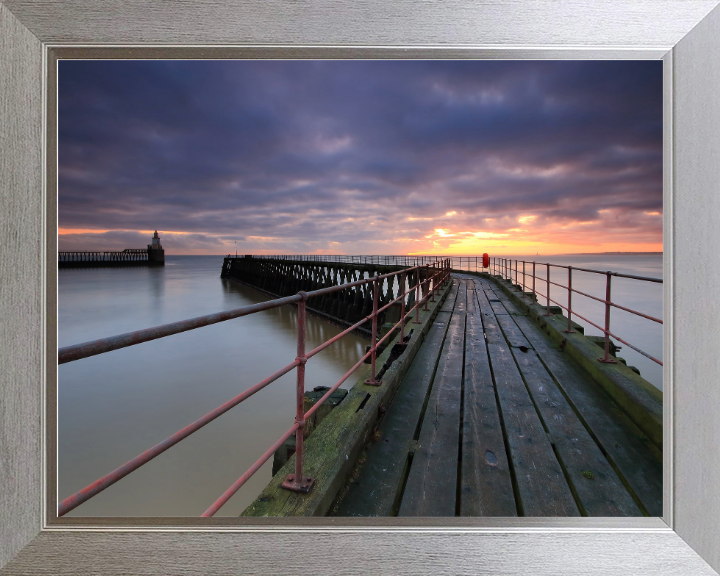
(685, 34)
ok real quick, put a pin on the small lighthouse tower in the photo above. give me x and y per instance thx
(156, 254)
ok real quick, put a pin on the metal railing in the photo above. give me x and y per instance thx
(128, 255)
(381, 260)
(504, 267)
(459, 263)
(436, 275)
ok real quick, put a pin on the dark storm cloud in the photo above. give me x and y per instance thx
(302, 154)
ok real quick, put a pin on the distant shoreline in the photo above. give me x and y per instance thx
(610, 253)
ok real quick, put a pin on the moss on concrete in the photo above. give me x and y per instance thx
(332, 449)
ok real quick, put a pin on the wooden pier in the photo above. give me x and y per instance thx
(487, 416)
(492, 420)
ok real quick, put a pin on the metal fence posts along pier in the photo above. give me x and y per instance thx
(607, 358)
(569, 329)
(547, 296)
(373, 381)
(297, 482)
(506, 273)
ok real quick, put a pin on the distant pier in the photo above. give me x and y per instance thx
(153, 255)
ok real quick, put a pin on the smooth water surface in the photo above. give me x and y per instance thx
(115, 406)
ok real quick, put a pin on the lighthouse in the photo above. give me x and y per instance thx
(156, 254)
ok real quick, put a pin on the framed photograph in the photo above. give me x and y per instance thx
(684, 35)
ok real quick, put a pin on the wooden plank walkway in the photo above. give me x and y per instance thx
(492, 420)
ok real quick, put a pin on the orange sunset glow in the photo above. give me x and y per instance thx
(361, 157)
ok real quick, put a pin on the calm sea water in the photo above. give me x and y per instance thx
(114, 406)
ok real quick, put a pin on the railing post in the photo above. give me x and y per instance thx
(434, 280)
(607, 358)
(516, 274)
(417, 296)
(373, 381)
(297, 482)
(534, 295)
(569, 310)
(401, 279)
(547, 282)
(427, 288)
(523, 284)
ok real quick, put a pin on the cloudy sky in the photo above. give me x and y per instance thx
(361, 157)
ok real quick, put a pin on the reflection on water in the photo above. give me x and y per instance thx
(114, 406)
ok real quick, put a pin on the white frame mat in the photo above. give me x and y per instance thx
(685, 34)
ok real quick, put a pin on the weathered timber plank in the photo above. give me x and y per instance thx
(493, 334)
(449, 304)
(490, 293)
(624, 444)
(431, 488)
(486, 485)
(541, 484)
(640, 399)
(483, 301)
(376, 489)
(498, 307)
(597, 486)
(506, 302)
(513, 334)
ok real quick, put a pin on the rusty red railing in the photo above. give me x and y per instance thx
(437, 274)
(504, 267)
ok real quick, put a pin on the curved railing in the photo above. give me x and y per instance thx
(435, 274)
(504, 267)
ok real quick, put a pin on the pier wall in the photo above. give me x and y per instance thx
(123, 259)
(280, 277)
